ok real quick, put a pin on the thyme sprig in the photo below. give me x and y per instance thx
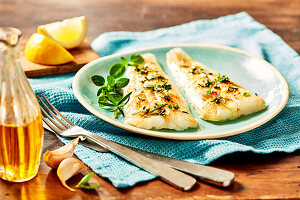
(112, 94)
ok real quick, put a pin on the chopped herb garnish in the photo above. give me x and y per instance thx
(159, 88)
(144, 71)
(209, 90)
(167, 97)
(195, 70)
(256, 94)
(162, 112)
(216, 100)
(225, 79)
(137, 68)
(160, 77)
(216, 86)
(167, 86)
(185, 112)
(232, 89)
(218, 79)
(208, 83)
(210, 73)
(144, 107)
(158, 107)
(245, 94)
(150, 86)
(176, 106)
(146, 112)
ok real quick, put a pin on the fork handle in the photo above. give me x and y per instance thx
(167, 174)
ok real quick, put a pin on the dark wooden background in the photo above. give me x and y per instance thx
(272, 176)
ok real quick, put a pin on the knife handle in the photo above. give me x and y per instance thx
(173, 177)
(208, 174)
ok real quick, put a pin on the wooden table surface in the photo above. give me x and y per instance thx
(272, 176)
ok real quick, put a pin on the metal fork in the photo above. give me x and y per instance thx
(173, 177)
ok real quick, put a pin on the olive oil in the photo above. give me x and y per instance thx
(21, 130)
(20, 150)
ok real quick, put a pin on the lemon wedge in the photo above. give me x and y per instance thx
(70, 33)
(42, 50)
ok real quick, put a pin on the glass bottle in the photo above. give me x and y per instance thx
(21, 130)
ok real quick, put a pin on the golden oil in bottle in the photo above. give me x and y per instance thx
(21, 130)
(20, 150)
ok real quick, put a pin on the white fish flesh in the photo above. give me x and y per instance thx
(155, 102)
(215, 97)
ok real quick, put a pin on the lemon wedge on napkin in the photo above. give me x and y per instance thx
(42, 50)
(70, 33)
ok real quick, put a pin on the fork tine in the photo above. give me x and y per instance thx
(54, 128)
(52, 120)
(68, 121)
(52, 114)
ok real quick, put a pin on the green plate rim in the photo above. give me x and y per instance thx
(179, 136)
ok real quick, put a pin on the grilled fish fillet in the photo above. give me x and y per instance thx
(155, 103)
(215, 97)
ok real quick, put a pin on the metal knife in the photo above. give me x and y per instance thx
(208, 174)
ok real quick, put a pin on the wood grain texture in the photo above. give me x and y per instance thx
(272, 176)
(82, 55)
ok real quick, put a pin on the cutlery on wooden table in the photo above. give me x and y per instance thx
(208, 174)
(173, 177)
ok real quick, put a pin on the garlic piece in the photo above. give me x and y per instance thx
(68, 168)
(54, 158)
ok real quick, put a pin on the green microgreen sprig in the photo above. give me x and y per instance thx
(117, 70)
(83, 183)
(112, 94)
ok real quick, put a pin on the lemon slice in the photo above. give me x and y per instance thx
(70, 33)
(42, 50)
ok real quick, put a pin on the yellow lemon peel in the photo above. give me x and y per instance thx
(42, 50)
(70, 33)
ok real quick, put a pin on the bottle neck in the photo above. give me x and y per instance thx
(18, 104)
(9, 47)
(9, 58)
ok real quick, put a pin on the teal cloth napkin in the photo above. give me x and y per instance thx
(282, 133)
